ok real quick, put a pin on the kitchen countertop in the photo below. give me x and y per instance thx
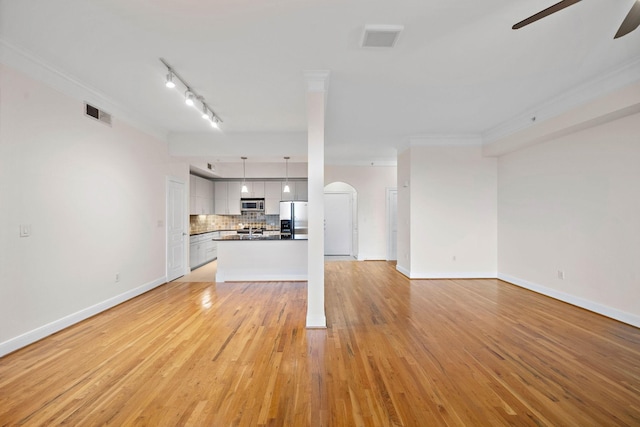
(246, 237)
(225, 229)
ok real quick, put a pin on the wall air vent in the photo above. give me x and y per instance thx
(381, 35)
(97, 114)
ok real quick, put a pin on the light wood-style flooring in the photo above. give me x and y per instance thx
(396, 353)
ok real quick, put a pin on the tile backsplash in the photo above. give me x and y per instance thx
(202, 223)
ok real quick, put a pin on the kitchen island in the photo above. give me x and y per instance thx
(261, 258)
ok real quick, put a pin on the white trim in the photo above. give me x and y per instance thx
(445, 140)
(38, 69)
(371, 257)
(317, 80)
(388, 192)
(622, 316)
(453, 275)
(258, 277)
(361, 162)
(37, 334)
(403, 270)
(602, 85)
(316, 322)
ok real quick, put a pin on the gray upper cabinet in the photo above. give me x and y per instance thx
(256, 190)
(298, 190)
(200, 196)
(227, 197)
(272, 197)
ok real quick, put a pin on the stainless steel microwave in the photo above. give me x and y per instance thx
(252, 205)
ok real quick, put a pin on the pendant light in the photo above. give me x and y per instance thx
(286, 188)
(244, 176)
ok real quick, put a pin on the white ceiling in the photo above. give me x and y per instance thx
(457, 69)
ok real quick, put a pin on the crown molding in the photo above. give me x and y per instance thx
(38, 69)
(613, 106)
(463, 140)
(317, 80)
(603, 85)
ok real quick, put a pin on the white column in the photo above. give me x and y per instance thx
(317, 85)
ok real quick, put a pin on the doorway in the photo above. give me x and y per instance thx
(340, 220)
(176, 226)
(392, 224)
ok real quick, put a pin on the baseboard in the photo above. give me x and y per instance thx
(248, 277)
(453, 275)
(622, 316)
(371, 257)
(37, 334)
(403, 270)
(318, 322)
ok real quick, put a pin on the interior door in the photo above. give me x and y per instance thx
(176, 233)
(392, 216)
(338, 224)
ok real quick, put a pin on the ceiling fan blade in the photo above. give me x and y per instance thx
(631, 22)
(548, 11)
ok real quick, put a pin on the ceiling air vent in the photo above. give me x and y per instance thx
(97, 114)
(381, 35)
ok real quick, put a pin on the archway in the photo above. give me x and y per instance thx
(341, 221)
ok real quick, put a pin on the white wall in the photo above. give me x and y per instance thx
(453, 212)
(370, 183)
(404, 212)
(94, 197)
(573, 204)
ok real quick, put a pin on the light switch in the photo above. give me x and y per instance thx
(25, 230)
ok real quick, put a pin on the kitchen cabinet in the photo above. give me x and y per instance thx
(200, 196)
(302, 190)
(256, 190)
(227, 197)
(233, 197)
(298, 191)
(221, 191)
(272, 197)
(192, 195)
(202, 249)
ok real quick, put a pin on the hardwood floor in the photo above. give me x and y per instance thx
(396, 352)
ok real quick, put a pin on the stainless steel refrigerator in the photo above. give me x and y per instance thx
(294, 222)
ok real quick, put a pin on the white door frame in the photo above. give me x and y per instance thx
(389, 191)
(185, 226)
(353, 222)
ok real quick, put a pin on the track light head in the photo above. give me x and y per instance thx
(205, 112)
(189, 98)
(170, 83)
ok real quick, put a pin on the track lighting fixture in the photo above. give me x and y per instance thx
(190, 96)
(244, 176)
(286, 188)
(214, 122)
(170, 84)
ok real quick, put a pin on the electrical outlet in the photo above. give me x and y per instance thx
(561, 274)
(117, 277)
